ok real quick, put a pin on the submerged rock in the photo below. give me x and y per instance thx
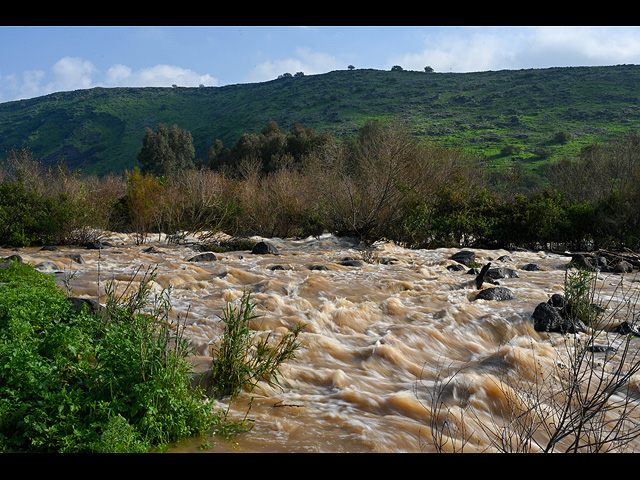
(496, 293)
(465, 257)
(204, 257)
(502, 272)
(262, 248)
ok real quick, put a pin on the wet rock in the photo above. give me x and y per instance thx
(531, 267)
(456, 267)
(626, 328)
(204, 257)
(465, 257)
(496, 293)
(352, 262)
(6, 262)
(47, 267)
(622, 267)
(581, 262)
(504, 258)
(502, 272)
(93, 307)
(482, 275)
(318, 267)
(601, 349)
(262, 248)
(77, 258)
(277, 267)
(97, 245)
(49, 248)
(547, 318)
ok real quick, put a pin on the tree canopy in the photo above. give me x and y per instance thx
(166, 151)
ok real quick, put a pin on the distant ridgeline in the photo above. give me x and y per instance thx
(510, 116)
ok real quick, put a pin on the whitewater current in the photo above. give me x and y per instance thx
(377, 337)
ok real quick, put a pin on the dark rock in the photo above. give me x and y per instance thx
(531, 267)
(456, 267)
(622, 267)
(76, 257)
(581, 262)
(464, 257)
(502, 272)
(352, 263)
(262, 248)
(601, 349)
(6, 261)
(97, 245)
(626, 328)
(318, 267)
(556, 300)
(49, 248)
(388, 261)
(93, 307)
(547, 318)
(482, 275)
(204, 257)
(496, 293)
(504, 258)
(277, 267)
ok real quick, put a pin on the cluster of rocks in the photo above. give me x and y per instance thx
(555, 315)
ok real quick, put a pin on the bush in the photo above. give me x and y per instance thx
(29, 218)
(72, 382)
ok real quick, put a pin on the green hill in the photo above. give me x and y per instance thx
(101, 129)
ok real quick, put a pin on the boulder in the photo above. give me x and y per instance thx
(502, 272)
(47, 267)
(465, 257)
(262, 248)
(93, 307)
(622, 267)
(547, 318)
(204, 257)
(77, 258)
(496, 293)
(531, 267)
(456, 267)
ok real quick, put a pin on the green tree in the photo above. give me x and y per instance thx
(166, 151)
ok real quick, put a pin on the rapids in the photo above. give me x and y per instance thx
(376, 337)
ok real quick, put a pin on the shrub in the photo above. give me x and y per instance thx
(72, 382)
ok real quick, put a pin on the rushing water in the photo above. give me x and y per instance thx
(376, 337)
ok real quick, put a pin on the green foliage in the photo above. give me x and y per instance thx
(30, 218)
(242, 359)
(166, 151)
(99, 129)
(71, 382)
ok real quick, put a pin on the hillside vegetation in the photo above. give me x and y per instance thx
(526, 116)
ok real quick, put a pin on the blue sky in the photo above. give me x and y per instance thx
(36, 61)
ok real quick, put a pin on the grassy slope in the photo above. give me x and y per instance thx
(101, 129)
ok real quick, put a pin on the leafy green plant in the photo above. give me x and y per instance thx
(241, 359)
(73, 382)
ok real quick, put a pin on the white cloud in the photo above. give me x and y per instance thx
(75, 73)
(484, 48)
(71, 74)
(304, 60)
(156, 76)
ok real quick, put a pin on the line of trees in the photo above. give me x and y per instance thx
(380, 184)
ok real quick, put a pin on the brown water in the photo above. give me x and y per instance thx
(376, 338)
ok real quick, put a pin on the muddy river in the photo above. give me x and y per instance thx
(377, 336)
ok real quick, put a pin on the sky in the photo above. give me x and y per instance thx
(38, 60)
